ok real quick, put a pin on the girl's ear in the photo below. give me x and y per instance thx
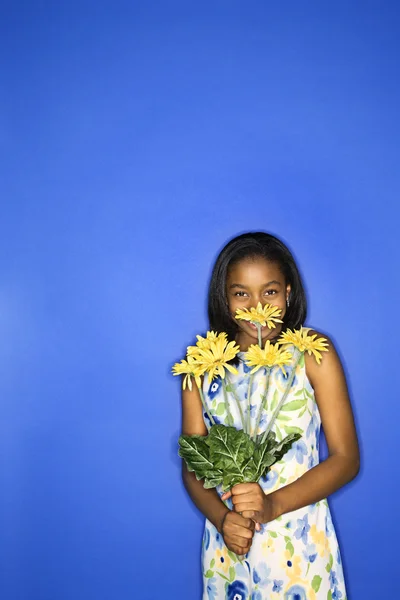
(288, 290)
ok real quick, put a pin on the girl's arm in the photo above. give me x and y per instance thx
(342, 464)
(237, 531)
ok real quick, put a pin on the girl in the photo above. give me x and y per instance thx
(282, 524)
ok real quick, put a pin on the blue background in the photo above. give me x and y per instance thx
(136, 139)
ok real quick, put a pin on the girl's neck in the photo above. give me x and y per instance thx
(245, 341)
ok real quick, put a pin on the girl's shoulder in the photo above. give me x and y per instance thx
(321, 356)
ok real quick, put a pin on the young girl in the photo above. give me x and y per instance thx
(282, 524)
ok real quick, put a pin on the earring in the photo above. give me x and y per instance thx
(287, 302)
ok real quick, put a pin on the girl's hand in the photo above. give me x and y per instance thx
(237, 532)
(251, 502)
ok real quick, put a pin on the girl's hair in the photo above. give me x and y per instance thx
(253, 245)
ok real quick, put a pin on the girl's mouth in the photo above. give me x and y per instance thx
(255, 326)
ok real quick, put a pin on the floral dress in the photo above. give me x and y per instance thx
(295, 557)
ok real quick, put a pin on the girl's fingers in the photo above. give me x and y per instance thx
(240, 506)
(226, 495)
(257, 526)
(250, 513)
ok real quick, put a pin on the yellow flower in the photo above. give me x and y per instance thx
(222, 559)
(305, 342)
(268, 546)
(320, 540)
(291, 564)
(267, 315)
(190, 369)
(269, 356)
(214, 360)
(205, 343)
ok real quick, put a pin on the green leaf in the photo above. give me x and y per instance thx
(223, 577)
(292, 429)
(220, 409)
(299, 393)
(293, 405)
(316, 583)
(274, 402)
(263, 459)
(229, 420)
(232, 573)
(330, 563)
(230, 451)
(280, 449)
(209, 573)
(289, 546)
(301, 361)
(278, 433)
(196, 453)
(283, 418)
(229, 480)
(273, 534)
(212, 563)
(250, 470)
(232, 556)
(329, 596)
(212, 479)
(229, 388)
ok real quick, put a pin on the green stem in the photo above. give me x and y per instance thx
(228, 412)
(237, 401)
(249, 403)
(282, 400)
(259, 334)
(205, 406)
(263, 402)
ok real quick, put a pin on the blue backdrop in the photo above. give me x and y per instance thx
(136, 139)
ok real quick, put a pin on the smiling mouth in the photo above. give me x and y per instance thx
(255, 326)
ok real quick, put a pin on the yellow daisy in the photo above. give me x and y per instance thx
(269, 356)
(190, 369)
(214, 360)
(267, 315)
(305, 342)
(205, 343)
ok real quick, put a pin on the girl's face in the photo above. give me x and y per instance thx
(249, 282)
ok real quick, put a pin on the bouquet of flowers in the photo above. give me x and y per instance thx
(227, 455)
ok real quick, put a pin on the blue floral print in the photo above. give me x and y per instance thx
(299, 450)
(310, 553)
(214, 388)
(270, 480)
(302, 529)
(211, 589)
(332, 578)
(261, 574)
(336, 594)
(206, 538)
(278, 583)
(237, 591)
(296, 592)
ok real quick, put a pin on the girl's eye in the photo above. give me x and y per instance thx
(271, 292)
(241, 294)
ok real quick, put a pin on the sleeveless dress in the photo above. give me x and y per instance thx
(295, 557)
